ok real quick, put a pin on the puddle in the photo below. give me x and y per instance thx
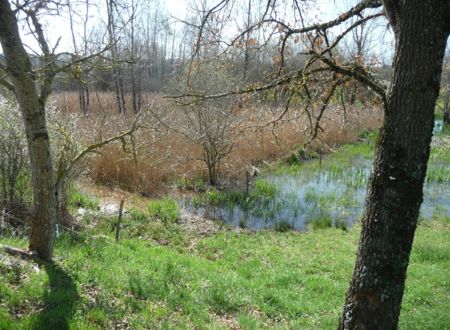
(336, 195)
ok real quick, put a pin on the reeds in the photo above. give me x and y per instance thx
(166, 157)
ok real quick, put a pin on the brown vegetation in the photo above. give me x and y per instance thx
(165, 157)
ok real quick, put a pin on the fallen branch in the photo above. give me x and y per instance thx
(32, 255)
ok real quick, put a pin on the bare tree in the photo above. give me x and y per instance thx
(113, 8)
(32, 87)
(82, 71)
(21, 82)
(214, 128)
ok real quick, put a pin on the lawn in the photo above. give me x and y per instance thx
(230, 280)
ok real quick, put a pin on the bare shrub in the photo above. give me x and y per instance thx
(165, 156)
(14, 176)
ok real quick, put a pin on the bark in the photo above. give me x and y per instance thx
(32, 107)
(395, 189)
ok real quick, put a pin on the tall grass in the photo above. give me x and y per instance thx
(167, 157)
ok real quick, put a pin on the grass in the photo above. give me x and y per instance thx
(339, 161)
(267, 280)
(78, 199)
(257, 200)
(165, 209)
(321, 221)
(158, 276)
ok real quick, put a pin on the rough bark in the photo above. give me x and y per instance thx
(32, 107)
(395, 189)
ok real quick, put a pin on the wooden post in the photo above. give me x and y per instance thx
(247, 182)
(2, 223)
(119, 220)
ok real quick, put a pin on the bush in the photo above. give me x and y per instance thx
(243, 223)
(165, 209)
(341, 224)
(15, 180)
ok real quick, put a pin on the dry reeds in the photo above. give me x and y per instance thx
(166, 156)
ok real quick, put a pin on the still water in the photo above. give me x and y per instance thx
(335, 194)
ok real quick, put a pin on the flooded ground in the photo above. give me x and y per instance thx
(329, 195)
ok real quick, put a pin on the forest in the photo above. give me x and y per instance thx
(226, 164)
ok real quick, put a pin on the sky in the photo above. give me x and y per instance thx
(176, 8)
(57, 28)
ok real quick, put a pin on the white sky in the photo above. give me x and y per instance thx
(176, 8)
(59, 27)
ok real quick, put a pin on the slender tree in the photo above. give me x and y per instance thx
(32, 104)
(32, 86)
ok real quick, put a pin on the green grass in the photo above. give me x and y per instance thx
(267, 280)
(165, 209)
(79, 199)
(321, 221)
(256, 201)
(344, 158)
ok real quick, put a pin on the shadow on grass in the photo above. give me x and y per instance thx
(59, 300)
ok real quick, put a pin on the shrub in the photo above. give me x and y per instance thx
(341, 224)
(165, 209)
(304, 154)
(293, 159)
(14, 175)
(243, 223)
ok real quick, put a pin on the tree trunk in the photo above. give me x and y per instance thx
(33, 114)
(395, 189)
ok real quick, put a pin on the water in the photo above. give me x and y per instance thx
(336, 195)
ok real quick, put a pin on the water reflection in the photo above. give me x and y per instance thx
(335, 195)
